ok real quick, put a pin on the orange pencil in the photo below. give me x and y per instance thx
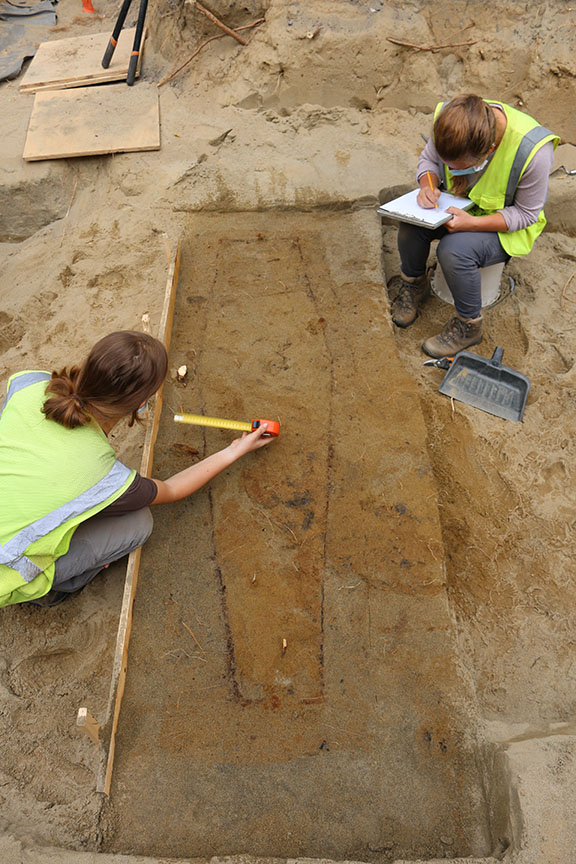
(431, 185)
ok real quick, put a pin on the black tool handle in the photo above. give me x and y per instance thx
(137, 41)
(132, 66)
(497, 356)
(115, 34)
(108, 53)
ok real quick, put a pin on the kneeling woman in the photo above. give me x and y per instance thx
(501, 159)
(68, 507)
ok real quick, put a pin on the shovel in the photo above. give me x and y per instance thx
(487, 384)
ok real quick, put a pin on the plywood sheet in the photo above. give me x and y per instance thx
(92, 121)
(75, 62)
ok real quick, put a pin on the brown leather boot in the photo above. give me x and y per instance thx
(458, 334)
(411, 295)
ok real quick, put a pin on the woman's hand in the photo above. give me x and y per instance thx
(428, 197)
(250, 441)
(461, 221)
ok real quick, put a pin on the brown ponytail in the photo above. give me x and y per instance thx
(121, 372)
(465, 128)
(65, 406)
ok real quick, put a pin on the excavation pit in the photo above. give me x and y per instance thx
(294, 686)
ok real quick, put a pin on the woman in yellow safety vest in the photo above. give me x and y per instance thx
(68, 507)
(500, 158)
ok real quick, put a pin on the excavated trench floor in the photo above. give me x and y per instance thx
(359, 739)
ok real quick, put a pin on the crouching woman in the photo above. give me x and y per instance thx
(68, 506)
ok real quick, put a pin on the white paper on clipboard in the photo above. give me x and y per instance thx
(407, 209)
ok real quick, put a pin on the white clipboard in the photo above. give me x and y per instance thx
(407, 209)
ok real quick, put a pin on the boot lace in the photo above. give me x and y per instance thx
(406, 296)
(455, 330)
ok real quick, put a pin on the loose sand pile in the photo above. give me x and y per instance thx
(318, 111)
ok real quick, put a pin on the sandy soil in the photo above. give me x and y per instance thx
(292, 122)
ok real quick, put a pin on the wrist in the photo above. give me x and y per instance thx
(231, 453)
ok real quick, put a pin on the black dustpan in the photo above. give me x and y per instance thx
(487, 385)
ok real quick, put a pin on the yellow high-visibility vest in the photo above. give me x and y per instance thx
(51, 480)
(496, 187)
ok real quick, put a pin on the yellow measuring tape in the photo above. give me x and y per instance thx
(216, 422)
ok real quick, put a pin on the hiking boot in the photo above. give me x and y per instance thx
(458, 334)
(411, 295)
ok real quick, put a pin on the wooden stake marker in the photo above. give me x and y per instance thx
(125, 625)
(86, 722)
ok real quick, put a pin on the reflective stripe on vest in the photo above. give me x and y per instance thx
(12, 553)
(527, 144)
(22, 381)
(24, 566)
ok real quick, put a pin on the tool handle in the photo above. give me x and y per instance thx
(497, 356)
(108, 53)
(131, 77)
(116, 33)
(137, 42)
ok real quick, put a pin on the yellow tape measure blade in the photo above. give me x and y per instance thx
(215, 422)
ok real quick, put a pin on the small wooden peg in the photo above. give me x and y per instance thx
(88, 724)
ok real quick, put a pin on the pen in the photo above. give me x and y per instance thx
(431, 185)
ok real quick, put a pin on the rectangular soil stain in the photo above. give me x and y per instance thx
(358, 740)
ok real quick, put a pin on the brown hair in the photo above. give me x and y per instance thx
(465, 127)
(122, 370)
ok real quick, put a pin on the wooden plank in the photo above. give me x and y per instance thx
(67, 85)
(86, 722)
(77, 61)
(93, 121)
(119, 667)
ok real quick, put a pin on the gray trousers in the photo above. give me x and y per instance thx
(97, 542)
(460, 256)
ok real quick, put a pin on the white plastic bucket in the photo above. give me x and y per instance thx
(491, 281)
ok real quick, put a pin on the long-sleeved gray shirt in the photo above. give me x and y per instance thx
(531, 192)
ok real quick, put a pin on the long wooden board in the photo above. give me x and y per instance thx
(125, 625)
(77, 61)
(93, 121)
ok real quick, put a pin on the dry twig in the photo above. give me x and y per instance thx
(175, 72)
(564, 295)
(461, 30)
(72, 198)
(432, 48)
(69, 208)
(194, 637)
(203, 45)
(217, 21)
